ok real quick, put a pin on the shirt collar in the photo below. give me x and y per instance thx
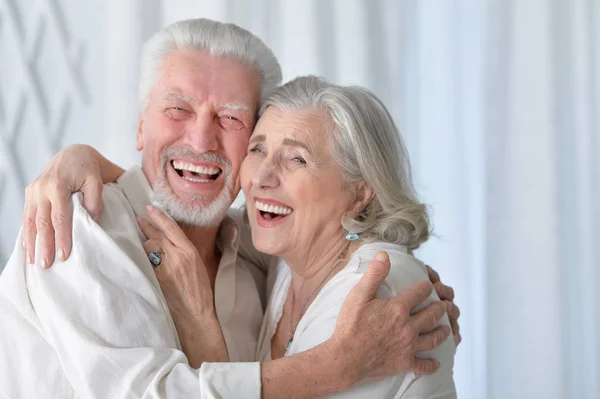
(138, 191)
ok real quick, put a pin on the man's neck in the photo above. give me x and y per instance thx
(205, 240)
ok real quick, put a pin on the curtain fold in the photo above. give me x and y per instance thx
(499, 104)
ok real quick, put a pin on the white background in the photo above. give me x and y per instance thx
(498, 101)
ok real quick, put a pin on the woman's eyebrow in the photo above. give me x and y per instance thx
(296, 143)
(257, 138)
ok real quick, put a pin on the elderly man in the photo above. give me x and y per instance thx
(99, 326)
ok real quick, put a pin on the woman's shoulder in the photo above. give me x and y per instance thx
(405, 269)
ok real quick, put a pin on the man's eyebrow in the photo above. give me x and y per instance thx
(236, 107)
(296, 143)
(177, 96)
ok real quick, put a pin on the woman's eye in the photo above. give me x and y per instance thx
(299, 160)
(256, 150)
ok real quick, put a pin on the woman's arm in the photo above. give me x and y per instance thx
(47, 209)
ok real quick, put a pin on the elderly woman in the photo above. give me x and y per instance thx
(328, 186)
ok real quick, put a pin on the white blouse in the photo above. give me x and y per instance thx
(318, 323)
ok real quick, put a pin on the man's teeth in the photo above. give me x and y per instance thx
(197, 180)
(196, 169)
(280, 210)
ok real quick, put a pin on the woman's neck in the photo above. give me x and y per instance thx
(309, 272)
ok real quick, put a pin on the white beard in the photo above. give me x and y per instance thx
(195, 212)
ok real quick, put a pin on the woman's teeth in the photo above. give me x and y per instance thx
(279, 210)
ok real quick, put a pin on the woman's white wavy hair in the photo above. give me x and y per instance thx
(367, 145)
(213, 37)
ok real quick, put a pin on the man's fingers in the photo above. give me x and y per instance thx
(453, 311)
(366, 289)
(92, 198)
(444, 292)
(414, 295)
(62, 223)
(45, 231)
(427, 318)
(425, 366)
(434, 277)
(431, 340)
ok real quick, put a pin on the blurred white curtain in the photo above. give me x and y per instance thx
(499, 103)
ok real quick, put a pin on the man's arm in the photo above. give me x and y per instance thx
(107, 321)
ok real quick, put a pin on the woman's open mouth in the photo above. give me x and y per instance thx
(270, 214)
(196, 173)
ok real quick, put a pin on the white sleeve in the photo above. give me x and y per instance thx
(106, 318)
(320, 325)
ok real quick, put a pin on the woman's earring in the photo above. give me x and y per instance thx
(351, 236)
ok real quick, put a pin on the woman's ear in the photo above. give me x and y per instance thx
(364, 196)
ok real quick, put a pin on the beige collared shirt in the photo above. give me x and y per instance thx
(97, 325)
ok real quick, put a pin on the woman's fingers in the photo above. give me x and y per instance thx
(149, 231)
(168, 226)
(43, 221)
(62, 221)
(29, 227)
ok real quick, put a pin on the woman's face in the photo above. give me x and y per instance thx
(294, 190)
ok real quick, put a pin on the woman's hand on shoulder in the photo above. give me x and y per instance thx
(47, 212)
(186, 287)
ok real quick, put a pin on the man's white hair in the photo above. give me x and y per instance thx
(212, 37)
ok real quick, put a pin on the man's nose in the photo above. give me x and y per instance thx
(202, 135)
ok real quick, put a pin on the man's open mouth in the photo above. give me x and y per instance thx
(196, 173)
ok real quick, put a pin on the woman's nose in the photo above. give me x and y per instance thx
(267, 175)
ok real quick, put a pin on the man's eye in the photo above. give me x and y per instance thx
(231, 123)
(177, 113)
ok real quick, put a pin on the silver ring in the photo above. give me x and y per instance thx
(155, 258)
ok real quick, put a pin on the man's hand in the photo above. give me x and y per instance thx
(47, 201)
(446, 294)
(388, 326)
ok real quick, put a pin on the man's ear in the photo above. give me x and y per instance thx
(140, 135)
(364, 196)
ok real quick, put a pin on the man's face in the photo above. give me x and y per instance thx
(195, 131)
